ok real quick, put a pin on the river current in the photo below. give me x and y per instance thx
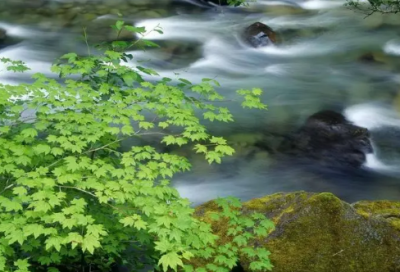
(329, 57)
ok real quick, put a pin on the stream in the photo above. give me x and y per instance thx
(329, 57)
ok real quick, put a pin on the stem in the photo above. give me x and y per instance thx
(144, 35)
(78, 189)
(86, 40)
(7, 187)
(83, 261)
(104, 146)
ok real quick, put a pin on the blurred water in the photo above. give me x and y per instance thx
(317, 66)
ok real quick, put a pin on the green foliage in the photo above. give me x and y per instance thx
(71, 197)
(242, 230)
(237, 3)
(374, 6)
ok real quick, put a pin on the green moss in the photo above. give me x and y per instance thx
(319, 232)
(389, 210)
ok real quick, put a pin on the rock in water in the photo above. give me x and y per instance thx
(3, 34)
(330, 139)
(3, 38)
(259, 34)
(321, 233)
(6, 40)
(220, 2)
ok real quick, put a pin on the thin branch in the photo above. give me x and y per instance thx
(7, 187)
(143, 36)
(86, 40)
(75, 188)
(111, 150)
(104, 146)
(155, 133)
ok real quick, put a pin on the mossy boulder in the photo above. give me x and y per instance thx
(319, 232)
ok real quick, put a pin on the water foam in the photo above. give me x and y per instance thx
(372, 116)
(392, 47)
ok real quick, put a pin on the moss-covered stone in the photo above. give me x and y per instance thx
(319, 232)
(386, 210)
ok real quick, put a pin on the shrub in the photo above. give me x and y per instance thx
(72, 198)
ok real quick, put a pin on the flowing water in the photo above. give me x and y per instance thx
(329, 58)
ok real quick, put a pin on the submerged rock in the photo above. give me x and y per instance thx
(374, 57)
(330, 139)
(259, 34)
(321, 233)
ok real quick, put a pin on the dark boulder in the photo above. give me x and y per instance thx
(220, 2)
(6, 40)
(259, 34)
(3, 34)
(330, 139)
(3, 38)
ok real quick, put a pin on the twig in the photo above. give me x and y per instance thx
(6, 188)
(337, 253)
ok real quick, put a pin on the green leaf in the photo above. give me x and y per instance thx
(185, 81)
(170, 260)
(20, 191)
(129, 78)
(29, 133)
(240, 240)
(42, 149)
(22, 265)
(212, 156)
(150, 43)
(135, 29)
(127, 130)
(168, 140)
(54, 242)
(70, 56)
(163, 124)
(119, 25)
(90, 243)
(56, 151)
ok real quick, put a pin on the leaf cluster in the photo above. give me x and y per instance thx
(71, 196)
(374, 6)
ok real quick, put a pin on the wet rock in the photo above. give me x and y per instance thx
(320, 232)
(6, 40)
(244, 139)
(246, 148)
(3, 34)
(374, 57)
(174, 54)
(331, 140)
(373, 21)
(259, 34)
(3, 38)
(219, 2)
(26, 3)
